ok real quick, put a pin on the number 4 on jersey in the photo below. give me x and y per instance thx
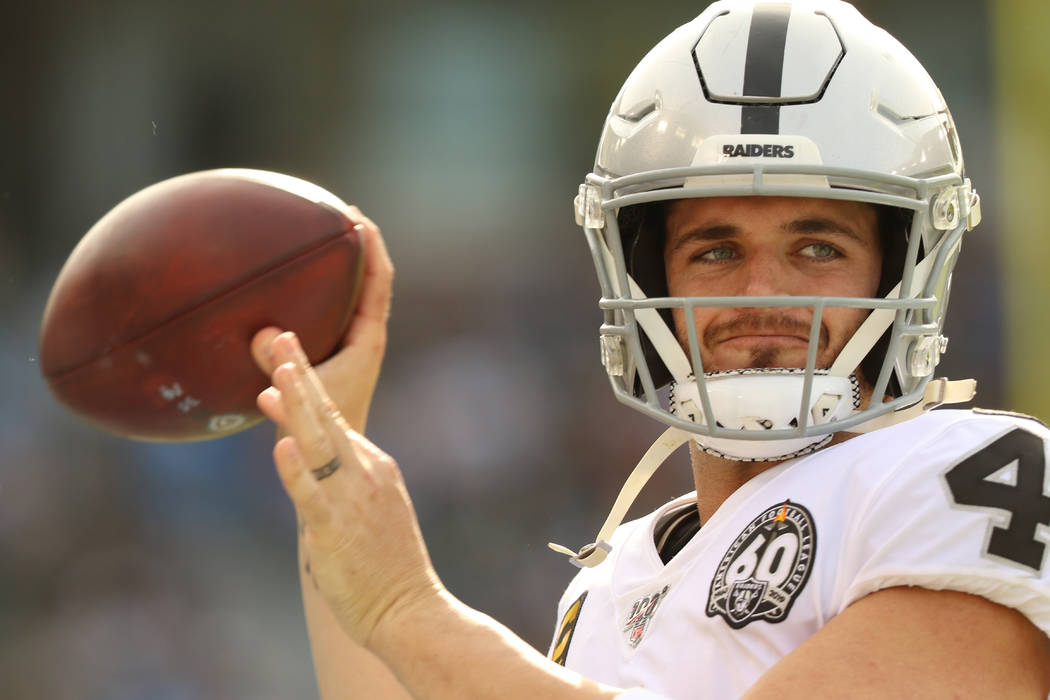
(1023, 499)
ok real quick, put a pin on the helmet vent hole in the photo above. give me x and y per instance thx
(639, 112)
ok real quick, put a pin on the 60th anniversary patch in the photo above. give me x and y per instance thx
(765, 568)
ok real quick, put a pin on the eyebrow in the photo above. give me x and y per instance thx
(806, 226)
(823, 225)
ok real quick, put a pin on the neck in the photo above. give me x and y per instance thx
(716, 479)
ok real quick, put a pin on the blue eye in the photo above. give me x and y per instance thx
(718, 254)
(821, 251)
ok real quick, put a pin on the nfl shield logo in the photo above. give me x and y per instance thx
(641, 615)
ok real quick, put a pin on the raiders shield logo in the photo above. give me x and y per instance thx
(765, 568)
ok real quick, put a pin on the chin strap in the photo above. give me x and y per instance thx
(595, 553)
(938, 391)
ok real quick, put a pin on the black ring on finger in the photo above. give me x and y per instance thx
(325, 471)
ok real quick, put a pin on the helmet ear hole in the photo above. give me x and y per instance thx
(894, 225)
(660, 374)
(871, 365)
(643, 230)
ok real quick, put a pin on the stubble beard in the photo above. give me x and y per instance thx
(766, 356)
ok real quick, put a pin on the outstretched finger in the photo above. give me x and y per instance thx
(269, 402)
(261, 351)
(313, 391)
(301, 418)
(315, 414)
(300, 484)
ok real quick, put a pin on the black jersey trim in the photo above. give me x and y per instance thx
(675, 530)
(1008, 414)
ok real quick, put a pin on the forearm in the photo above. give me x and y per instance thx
(445, 649)
(344, 668)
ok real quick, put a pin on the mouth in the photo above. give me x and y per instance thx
(777, 339)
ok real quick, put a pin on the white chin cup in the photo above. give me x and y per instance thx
(758, 400)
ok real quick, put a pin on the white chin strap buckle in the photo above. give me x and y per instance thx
(589, 555)
(758, 400)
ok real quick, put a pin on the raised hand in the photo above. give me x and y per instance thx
(359, 529)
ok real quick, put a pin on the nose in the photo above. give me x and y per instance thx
(764, 274)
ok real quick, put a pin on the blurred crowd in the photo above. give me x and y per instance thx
(132, 570)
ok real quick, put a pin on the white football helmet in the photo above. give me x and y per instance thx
(801, 99)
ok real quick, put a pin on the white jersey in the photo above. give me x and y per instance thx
(950, 500)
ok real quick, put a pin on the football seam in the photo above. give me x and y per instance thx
(60, 376)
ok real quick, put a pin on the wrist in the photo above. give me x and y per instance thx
(399, 628)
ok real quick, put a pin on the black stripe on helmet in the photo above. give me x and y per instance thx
(764, 66)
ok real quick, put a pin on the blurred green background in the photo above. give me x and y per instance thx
(463, 128)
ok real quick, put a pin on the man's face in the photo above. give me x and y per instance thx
(770, 246)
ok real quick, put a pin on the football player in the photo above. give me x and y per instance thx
(776, 207)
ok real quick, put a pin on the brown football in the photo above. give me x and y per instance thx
(146, 333)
